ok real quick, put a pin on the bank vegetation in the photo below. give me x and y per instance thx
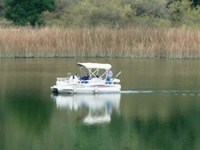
(101, 28)
(100, 42)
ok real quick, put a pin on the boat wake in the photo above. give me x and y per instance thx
(163, 92)
(135, 92)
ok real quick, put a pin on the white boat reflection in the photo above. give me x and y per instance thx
(100, 107)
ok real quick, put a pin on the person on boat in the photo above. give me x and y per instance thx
(109, 77)
(85, 78)
(74, 78)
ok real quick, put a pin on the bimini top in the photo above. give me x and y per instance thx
(95, 65)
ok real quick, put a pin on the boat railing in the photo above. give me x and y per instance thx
(63, 79)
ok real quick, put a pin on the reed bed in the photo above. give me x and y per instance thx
(100, 42)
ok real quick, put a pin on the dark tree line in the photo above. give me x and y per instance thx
(22, 12)
(193, 2)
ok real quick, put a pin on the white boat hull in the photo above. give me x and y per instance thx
(86, 89)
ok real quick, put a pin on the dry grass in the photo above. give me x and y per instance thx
(99, 42)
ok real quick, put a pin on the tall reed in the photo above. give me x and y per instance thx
(99, 42)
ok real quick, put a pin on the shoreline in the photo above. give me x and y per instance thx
(100, 42)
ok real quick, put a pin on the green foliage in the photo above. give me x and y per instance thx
(97, 13)
(195, 2)
(182, 14)
(191, 17)
(22, 12)
(121, 13)
(112, 13)
(1, 8)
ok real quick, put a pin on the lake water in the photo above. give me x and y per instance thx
(158, 109)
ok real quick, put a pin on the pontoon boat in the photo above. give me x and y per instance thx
(96, 83)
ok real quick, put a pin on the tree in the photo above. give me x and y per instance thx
(22, 12)
(195, 2)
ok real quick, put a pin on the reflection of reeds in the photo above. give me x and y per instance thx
(99, 42)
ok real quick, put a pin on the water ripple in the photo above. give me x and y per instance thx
(164, 92)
